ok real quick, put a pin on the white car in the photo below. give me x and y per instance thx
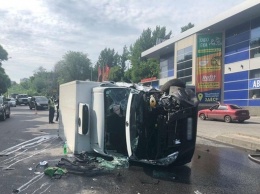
(12, 102)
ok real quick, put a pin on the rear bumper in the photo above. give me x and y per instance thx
(241, 118)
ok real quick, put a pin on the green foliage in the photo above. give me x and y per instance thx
(149, 68)
(188, 26)
(41, 83)
(124, 58)
(5, 81)
(108, 57)
(141, 67)
(3, 54)
(16, 89)
(73, 66)
(116, 74)
(127, 76)
(77, 66)
(94, 73)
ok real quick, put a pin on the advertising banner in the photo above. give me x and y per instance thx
(254, 84)
(209, 67)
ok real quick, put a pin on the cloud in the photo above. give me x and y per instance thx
(39, 33)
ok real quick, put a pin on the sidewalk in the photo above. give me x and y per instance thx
(245, 135)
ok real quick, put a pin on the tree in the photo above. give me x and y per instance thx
(3, 54)
(123, 58)
(116, 74)
(145, 41)
(188, 26)
(5, 81)
(43, 82)
(149, 68)
(73, 66)
(108, 57)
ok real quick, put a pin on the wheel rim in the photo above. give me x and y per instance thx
(202, 116)
(227, 119)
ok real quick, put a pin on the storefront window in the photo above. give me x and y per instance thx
(164, 69)
(166, 66)
(255, 43)
(255, 23)
(255, 33)
(254, 94)
(237, 48)
(254, 74)
(238, 29)
(255, 53)
(184, 64)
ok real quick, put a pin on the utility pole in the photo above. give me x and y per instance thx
(91, 73)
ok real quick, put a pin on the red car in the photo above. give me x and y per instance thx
(226, 112)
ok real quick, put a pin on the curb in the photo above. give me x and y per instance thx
(238, 140)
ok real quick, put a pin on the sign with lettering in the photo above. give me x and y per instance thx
(209, 67)
(255, 83)
(148, 79)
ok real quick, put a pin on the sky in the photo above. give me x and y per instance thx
(38, 33)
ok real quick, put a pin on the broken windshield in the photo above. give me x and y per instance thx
(115, 111)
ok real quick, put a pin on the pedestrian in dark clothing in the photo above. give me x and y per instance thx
(57, 108)
(51, 109)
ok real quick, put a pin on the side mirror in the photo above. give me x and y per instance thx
(83, 119)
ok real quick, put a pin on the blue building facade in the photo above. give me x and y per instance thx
(242, 56)
(239, 78)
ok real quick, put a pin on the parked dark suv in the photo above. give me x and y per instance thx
(22, 99)
(38, 102)
(4, 108)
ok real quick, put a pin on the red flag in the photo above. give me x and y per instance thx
(99, 73)
(103, 74)
(107, 70)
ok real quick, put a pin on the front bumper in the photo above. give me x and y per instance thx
(159, 162)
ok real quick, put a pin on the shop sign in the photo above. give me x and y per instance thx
(254, 83)
(148, 79)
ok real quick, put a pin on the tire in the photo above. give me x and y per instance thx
(173, 82)
(227, 119)
(3, 116)
(8, 116)
(202, 116)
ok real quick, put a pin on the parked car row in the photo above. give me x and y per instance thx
(5, 110)
(38, 102)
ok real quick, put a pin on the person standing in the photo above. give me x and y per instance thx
(57, 108)
(51, 109)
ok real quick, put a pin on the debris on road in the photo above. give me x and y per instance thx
(55, 172)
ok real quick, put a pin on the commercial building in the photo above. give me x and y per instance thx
(220, 58)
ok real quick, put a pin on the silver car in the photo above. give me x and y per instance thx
(12, 102)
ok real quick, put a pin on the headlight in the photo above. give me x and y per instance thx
(38, 104)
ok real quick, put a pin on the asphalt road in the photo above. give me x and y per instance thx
(27, 139)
